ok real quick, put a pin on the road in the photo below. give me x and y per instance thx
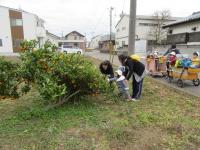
(188, 86)
(102, 56)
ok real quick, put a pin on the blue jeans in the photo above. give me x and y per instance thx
(137, 88)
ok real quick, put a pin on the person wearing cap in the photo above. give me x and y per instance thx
(195, 60)
(122, 85)
(168, 52)
(137, 71)
(172, 49)
(172, 58)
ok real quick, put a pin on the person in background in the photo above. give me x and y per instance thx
(107, 69)
(172, 49)
(195, 60)
(136, 70)
(172, 58)
(168, 52)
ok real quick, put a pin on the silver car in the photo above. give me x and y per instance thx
(70, 49)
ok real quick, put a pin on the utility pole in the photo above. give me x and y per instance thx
(132, 26)
(110, 44)
(111, 9)
(85, 40)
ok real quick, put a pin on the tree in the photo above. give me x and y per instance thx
(157, 32)
(58, 77)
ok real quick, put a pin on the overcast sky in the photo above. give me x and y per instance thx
(91, 17)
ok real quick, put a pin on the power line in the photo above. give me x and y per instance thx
(103, 15)
(99, 21)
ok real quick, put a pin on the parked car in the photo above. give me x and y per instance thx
(70, 49)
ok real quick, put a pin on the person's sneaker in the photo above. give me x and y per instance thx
(135, 100)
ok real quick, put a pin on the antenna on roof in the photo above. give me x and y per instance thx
(122, 14)
(20, 7)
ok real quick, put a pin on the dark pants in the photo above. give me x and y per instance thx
(137, 88)
(168, 66)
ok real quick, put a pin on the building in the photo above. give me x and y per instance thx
(74, 39)
(18, 25)
(54, 39)
(94, 44)
(185, 32)
(104, 43)
(144, 25)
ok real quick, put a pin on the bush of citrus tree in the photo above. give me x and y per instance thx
(8, 78)
(59, 77)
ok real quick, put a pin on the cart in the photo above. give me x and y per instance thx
(184, 74)
(156, 66)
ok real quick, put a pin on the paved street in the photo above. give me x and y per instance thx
(102, 56)
(188, 87)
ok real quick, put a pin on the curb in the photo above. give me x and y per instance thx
(175, 88)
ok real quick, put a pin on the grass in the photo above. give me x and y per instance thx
(163, 119)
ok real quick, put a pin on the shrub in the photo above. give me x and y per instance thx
(8, 78)
(60, 77)
(28, 45)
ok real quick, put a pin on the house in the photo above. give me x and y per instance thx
(185, 32)
(54, 39)
(94, 44)
(18, 25)
(104, 43)
(74, 39)
(144, 25)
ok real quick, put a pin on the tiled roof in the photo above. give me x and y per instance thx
(193, 18)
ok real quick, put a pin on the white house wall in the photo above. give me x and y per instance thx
(52, 39)
(186, 28)
(142, 31)
(141, 47)
(95, 42)
(5, 32)
(119, 42)
(31, 30)
(71, 37)
(123, 24)
(29, 26)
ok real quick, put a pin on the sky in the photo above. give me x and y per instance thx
(91, 17)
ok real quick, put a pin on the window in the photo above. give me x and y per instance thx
(170, 31)
(123, 43)
(1, 44)
(75, 44)
(67, 46)
(16, 42)
(75, 37)
(194, 29)
(147, 24)
(123, 28)
(16, 22)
